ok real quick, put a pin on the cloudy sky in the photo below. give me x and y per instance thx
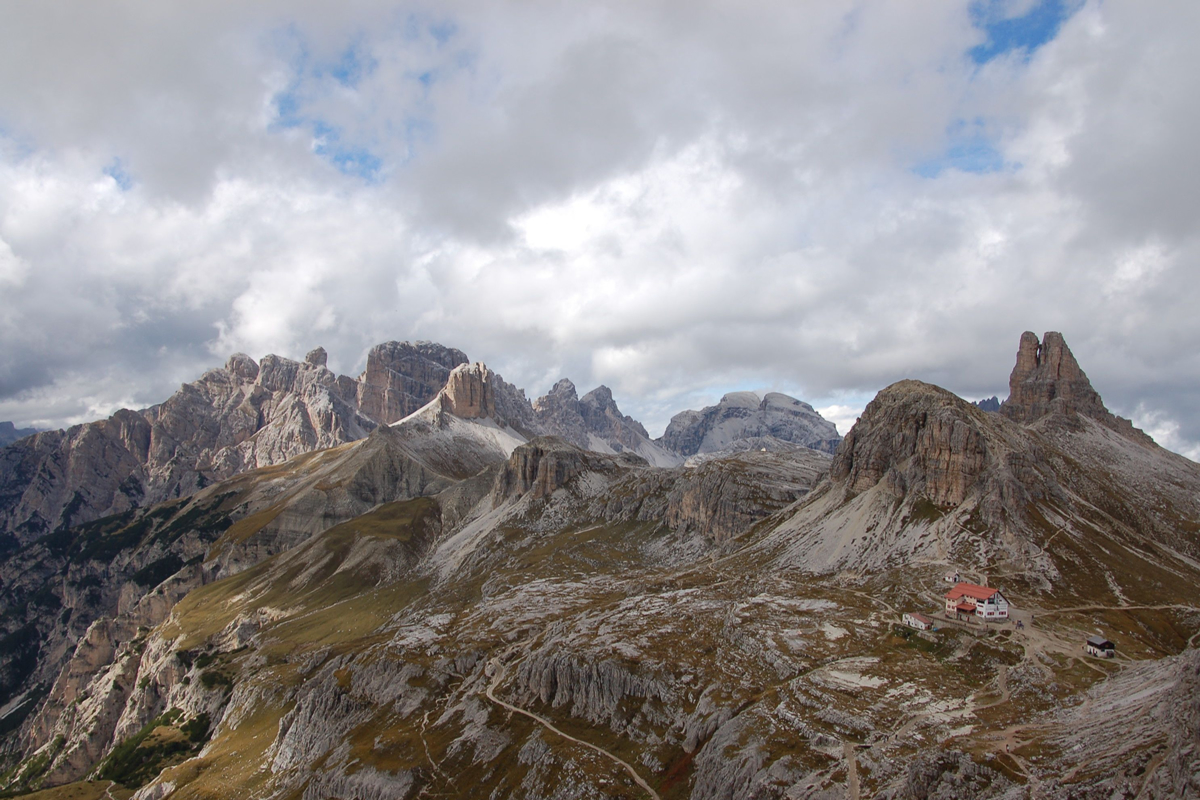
(672, 198)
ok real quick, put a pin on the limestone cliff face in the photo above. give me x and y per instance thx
(546, 464)
(1047, 380)
(915, 437)
(594, 422)
(741, 415)
(243, 416)
(475, 392)
(401, 377)
(470, 392)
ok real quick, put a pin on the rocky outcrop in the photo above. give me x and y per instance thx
(718, 498)
(548, 463)
(246, 415)
(1154, 752)
(917, 438)
(948, 775)
(742, 415)
(9, 433)
(1047, 380)
(401, 377)
(469, 392)
(594, 422)
(474, 392)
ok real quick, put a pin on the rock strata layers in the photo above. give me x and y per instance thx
(915, 437)
(401, 377)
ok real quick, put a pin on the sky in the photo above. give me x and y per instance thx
(675, 199)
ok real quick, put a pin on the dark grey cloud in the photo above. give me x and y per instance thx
(675, 199)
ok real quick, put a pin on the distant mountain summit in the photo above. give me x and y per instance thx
(742, 415)
(594, 422)
(929, 474)
(9, 433)
(245, 415)
(429, 609)
(990, 404)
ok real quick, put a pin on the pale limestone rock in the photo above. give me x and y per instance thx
(401, 377)
(244, 416)
(742, 415)
(469, 392)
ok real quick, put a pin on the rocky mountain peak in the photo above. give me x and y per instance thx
(242, 366)
(600, 398)
(594, 422)
(743, 415)
(915, 437)
(317, 357)
(563, 391)
(249, 414)
(401, 377)
(469, 392)
(1048, 380)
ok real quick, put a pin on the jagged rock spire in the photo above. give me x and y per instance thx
(1047, 378)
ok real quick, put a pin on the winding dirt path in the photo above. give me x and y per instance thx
(851, 770)
(489, 692)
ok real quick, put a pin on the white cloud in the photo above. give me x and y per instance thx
(668, 198)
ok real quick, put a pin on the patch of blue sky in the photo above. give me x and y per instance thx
(116, 171)
(348, 159)
(354, 64)
(978, 156)
(969, 148)
(311, 77)
(1025, 33)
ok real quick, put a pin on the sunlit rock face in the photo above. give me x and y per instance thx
(244, 415)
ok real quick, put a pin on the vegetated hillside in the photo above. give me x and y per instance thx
(530, 619)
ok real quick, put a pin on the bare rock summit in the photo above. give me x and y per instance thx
(594, 422)
(245, 415)
(742, 415)
(1047, 380)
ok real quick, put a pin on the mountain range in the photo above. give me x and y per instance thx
(251, 414)
(487, 597)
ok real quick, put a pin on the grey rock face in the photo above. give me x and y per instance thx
(548, 463)
(9, 433)
(918, 437)
(401, 377)
(741, 415)
(243, 416)
(594, 422)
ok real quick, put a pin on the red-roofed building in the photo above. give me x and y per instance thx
(982, 601)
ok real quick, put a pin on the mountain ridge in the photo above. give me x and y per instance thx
(420, 610)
